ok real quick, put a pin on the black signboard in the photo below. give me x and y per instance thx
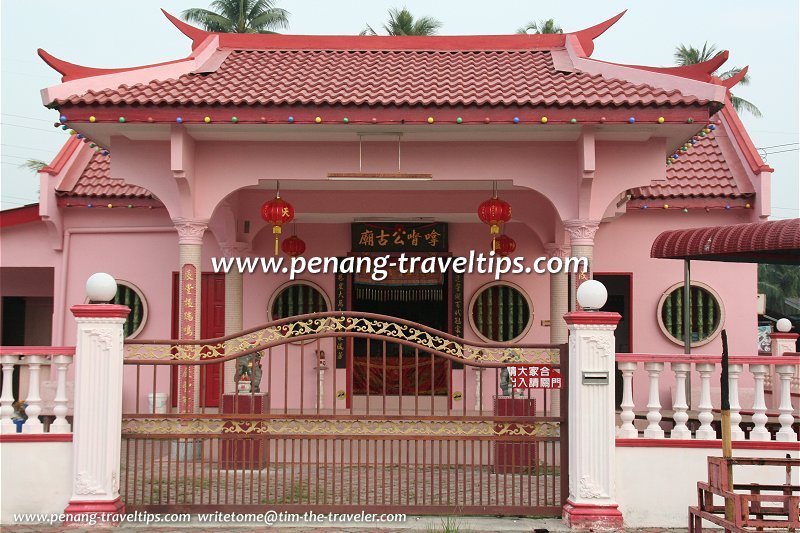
(399, 236)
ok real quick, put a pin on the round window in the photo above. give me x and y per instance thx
(130, 295)
(501, 312)
(298, 298)
(707, 314)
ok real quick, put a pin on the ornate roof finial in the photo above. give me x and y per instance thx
(733, 80)
(195, 34)
(587, 36)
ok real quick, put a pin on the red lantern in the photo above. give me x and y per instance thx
(494, 212)
(293, 246)
(277, 212)
(504, 245)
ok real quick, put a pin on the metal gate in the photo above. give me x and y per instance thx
(404, 441)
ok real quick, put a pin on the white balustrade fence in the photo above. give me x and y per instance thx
(706, 409)
(51, 397)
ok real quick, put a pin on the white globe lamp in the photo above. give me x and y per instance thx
(592, 295)
(101, 287)
(784, 325)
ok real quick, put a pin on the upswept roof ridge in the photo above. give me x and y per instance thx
(510, 70)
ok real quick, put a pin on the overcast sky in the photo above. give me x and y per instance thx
(122, 33)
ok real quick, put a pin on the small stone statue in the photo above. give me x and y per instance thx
(250, 366)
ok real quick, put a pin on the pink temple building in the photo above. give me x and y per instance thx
(384, 145)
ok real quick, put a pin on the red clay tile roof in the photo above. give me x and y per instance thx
(95, 181)
(388, 78)
(701, 172)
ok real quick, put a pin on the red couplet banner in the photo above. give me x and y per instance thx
(534, 377)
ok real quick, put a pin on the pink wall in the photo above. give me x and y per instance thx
(624, 246)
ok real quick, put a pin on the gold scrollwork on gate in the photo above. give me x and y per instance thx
(338, 427)
(332, 325)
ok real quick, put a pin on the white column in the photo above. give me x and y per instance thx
(190, 241)
(679, 405)
(759, 406)
(786, 417)
(581, 239)
(705, 431)
(7, 396)
(60, 424)
(97, 422)
(733, 397)
(592, 446)
(627, 430)
(34, 400)
(559, 305)
(233, 308)
(653, 430)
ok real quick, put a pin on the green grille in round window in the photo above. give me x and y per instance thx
(501, 312)
(298, 299)
(706, 314)
(129, 296)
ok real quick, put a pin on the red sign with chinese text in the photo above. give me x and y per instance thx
(534, 377)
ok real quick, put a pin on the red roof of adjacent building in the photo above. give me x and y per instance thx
(775, 241)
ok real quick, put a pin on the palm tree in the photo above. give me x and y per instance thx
(401, 22)
(689, 55)
(239, 16)
(542, 26)
(34, 165)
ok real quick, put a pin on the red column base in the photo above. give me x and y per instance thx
(103, 512)
(591, 517)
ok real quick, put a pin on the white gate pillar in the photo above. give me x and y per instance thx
(591, 503)
(97, 422)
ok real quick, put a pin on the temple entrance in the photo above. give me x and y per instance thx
(395, 369)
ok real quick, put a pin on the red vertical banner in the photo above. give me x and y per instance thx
(188, 309)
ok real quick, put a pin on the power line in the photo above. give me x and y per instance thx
(17, 157)
(28, 127)
(29, 118)
(776, 146)
(25, 147)
(782, 151)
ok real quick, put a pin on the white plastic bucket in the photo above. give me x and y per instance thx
(160, 401)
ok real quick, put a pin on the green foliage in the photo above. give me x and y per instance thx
(779, 282)
(239, 16)
(541, 26)
(34, 165)
(689, 55)
(402, 22)
(449, 524)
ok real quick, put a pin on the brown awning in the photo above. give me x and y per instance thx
(775, 241)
